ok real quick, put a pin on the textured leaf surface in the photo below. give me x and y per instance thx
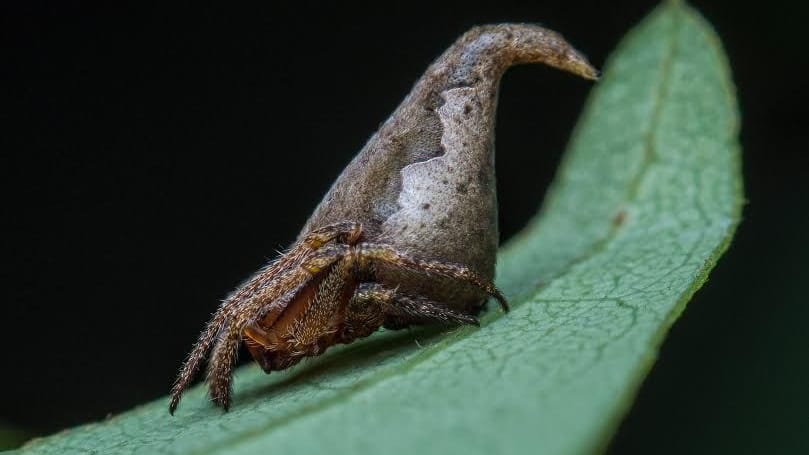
(647, 198)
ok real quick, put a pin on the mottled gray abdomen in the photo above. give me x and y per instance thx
(425, 182)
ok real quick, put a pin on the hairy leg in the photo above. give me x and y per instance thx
(326, 312)
(373, 253)
(401, 310)
(365, 313)
(223, 355)
(346, 232)
(249, 291)
(266, 286)
(194, 360)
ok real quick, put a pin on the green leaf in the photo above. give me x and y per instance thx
(646, 200)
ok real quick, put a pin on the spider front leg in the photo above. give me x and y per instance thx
(295, 282)
(269, 290)
(309, 323)
(223, 355)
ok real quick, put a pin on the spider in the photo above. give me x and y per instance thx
(407, 234)
(324, 290)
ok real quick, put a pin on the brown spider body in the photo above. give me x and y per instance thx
(406, 235)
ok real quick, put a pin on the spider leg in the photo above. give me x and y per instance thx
(370, 253)
(309, 324)
(324, 257)
(366, 312)
(327, 310)
(266, 285)
(194, 360)
(223, 354)
(220, 366)
(401, 310)
(347, 231)
(248, 291)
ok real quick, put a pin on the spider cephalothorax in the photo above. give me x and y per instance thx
(406, 235)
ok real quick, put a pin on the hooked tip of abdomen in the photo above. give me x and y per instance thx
(503, 45)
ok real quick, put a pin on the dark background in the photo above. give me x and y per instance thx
(154, 156)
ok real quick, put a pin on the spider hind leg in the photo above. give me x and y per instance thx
(376, 305)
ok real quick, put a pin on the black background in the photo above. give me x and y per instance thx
(153, 156)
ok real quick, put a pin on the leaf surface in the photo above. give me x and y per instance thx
(646, 199)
